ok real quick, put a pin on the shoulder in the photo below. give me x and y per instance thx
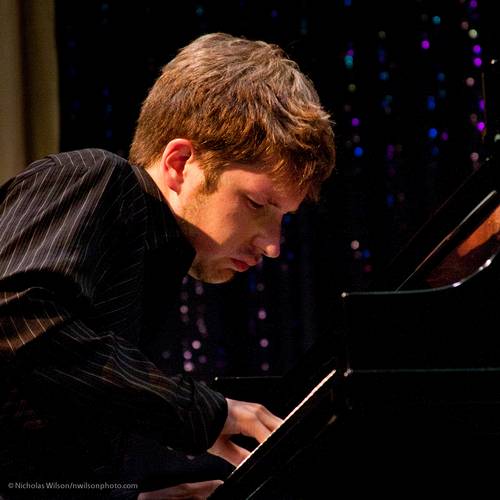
(82, 160)
(80, 167)
(87, 174)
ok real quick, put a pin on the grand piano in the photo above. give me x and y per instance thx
(405, 395)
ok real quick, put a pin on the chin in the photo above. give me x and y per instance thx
(212, 276)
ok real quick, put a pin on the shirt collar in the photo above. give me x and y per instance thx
(162, 227)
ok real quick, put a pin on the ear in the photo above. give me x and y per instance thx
(173, 162)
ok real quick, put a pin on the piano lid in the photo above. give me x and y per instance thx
(469, 214)
(471, 254)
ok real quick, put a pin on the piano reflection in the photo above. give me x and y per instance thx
(409, 388)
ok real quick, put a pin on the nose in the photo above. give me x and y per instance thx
(269, 240)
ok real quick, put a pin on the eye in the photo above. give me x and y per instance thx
(253, 204)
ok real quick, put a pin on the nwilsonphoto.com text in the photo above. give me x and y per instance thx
(55, 485)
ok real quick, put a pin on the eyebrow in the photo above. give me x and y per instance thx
(274, 204)
(267, 199)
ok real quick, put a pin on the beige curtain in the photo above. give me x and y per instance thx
(29, 103)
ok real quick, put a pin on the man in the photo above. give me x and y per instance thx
(93, 249)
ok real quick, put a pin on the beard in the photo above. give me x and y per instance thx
(208, 272)
(206, 269)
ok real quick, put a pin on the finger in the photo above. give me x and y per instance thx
(257, 430)
(270, 420)
(262, 424)
(229, 451)
(244, 415)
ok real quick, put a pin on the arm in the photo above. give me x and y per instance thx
(55, 236)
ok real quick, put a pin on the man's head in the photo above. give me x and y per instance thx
(227, 106)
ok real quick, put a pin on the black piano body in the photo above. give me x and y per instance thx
(409, 387)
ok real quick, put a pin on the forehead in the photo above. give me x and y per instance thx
(262, 186)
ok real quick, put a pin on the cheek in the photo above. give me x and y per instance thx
(233, 228)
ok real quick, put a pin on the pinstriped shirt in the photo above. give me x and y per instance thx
(90, 257)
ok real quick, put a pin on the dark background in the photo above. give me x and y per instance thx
(408, 121)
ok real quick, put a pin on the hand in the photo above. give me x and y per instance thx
(187, 491)
(249, 419)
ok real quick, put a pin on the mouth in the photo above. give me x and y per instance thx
(240, 265)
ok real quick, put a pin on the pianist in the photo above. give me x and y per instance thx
(93, 249)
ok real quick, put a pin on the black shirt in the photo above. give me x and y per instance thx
(90, 257)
